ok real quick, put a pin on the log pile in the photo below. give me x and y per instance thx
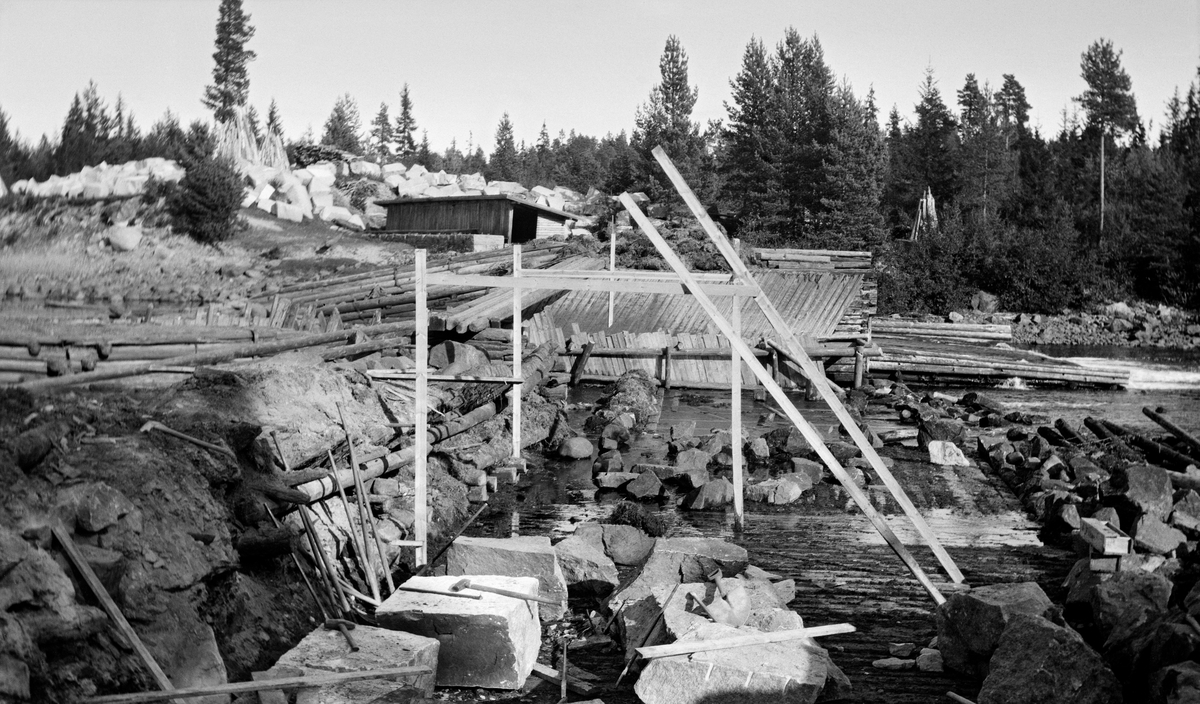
(895, 328)
(958, 363)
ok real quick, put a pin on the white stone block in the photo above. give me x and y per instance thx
(324, 651)
(526, 556)
(491, 642)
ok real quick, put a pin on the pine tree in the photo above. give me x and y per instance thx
(853, 178)
(933, 146)
(1108, 100)
(231, 84)
(987, 166)
(274, 122)
(423, 155)
(381, 133)
(504, 164)
(406, 146)
(343, 126)
(748, 163)
(86, 132)
(666, 119)
(255, 124)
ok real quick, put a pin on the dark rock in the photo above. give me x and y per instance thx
(617, 480)
(456, 357)
(1162, 641)
(1185, 513)
(843, 451)
(716, 442)
(1176, 684)
(814, 470)
(1151, 534)
(1141, 489)
(609, 461)
(984, 302)
(979, 401)
(1040, 661)
(717, 493)
(98, 506)
(970, 624)
(941, 429)
(646, 486)
(613, 436)
(1129, 600)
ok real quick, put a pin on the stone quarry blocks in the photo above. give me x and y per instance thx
(491, 642)
(970, 624)
(1040, 661)
(683, 560)
(324, 651)
(526, 556)
(775, 672)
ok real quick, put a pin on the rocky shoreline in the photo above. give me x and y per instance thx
(1120, 324)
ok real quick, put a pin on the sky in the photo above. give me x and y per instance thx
(572, 65)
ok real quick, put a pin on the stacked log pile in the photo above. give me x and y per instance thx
(854, 322)
(898, 328)
(947, 362)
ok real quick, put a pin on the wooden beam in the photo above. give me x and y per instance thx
(304, 682)
(810, 434)
(114, 613)
(514, 393)
(735, 418)
(553, 676)
(700, 646)
(577, 368)
(795, 349)
(421, 414)
(398, 374)
(598, 282)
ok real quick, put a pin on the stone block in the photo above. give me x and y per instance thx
(759, 449)
(815, 470)
(585, 566)
(1040, 661)
(946, 453)
(526, 556)
(683, 560)
(491, 642)
(1128, 600)
(1152, 535)
(617, 480)
(970, 624)
(692, 459)
(576, 448)
(647, 486)
(324, 651)
(793, 672)
(1142, 489)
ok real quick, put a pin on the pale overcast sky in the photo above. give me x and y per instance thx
(581, 65)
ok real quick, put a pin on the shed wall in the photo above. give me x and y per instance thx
(489, 217)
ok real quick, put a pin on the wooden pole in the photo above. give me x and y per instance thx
(515, 392)
(735, 421)
(612, 265)
(303, 682)
(114, 613)
(421, 414)
(810, 434)
(700, 646)
(360, 493)
(795, 348)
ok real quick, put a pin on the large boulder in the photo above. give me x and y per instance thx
(491, 642)
(970, 624)
(324, 651)
(717, 493)
(646, 487)
(526, 556)
(1040, 661)
(1176, 684)
(1141, 489)
(124, 238)
(577, 448)
(683, 560)
(1154, 536)
(627, 545)
(946, 429)
(791, 672)
(1128, 600)
(946, 453)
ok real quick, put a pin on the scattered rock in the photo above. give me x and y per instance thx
(1152, 535)
(901, 650)
(943, 452)
(645, 487)
(585, 566)
(894, 664)
(578, 448)
(124, 238)
(1039, 661)
(627, 545)
(930, 660)
(717, 493)
(693, 459)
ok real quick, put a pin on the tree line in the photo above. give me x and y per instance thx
(1088, 210)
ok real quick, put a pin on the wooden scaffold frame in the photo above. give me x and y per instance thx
(741, 284)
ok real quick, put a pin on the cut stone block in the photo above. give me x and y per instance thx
(526, 556)
(323, 652)
(491, 642)
(775, 672)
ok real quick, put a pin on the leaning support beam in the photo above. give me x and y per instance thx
(735, 420)
(795, 349)
(810, 434)
(288, 683)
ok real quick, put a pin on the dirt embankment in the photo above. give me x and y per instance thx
(159, 520)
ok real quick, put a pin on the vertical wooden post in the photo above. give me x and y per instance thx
(735, 426)
(612, 266)
(420, 412)
(515, 389)
(859, 361)
(667, 367)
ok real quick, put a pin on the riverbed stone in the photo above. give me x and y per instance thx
(775, 672)
(578, 448)
(647, 486)
(525, 556)
(490, 642)
(1185, 514)
(683, 430)
(1040, 661)
(970, 624)
(716, 493)
(692, 459)
(776, 491)
(1141, 489)
(324, 651)
(616, 480)
(815, 470)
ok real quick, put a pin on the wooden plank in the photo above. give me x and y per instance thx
(702, 646)
(518, 341)
(421, 415)
(810, 434)
(304, 682)
(735, 415)
(114, 613)
(796, 350)
(597, 283)
(1103, 537)
(553, 676)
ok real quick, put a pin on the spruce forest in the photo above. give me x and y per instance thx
(1048, 219)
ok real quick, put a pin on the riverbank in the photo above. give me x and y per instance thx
(1117, 324)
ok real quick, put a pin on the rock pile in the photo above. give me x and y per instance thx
(1119, 324)
(103, 180)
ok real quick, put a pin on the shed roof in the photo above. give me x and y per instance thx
(559, 214)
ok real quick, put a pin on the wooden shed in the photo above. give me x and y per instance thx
(505, 216)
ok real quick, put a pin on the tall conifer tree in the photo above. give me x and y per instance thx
(231, 83)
